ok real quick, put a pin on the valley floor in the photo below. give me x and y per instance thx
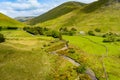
(26, 57)
(23, 57)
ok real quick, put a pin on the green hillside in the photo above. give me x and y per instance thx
(103, 14)
(7, 21)
(56, 12)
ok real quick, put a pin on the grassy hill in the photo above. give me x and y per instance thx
(7, 21)
(103, 14)
(56, 12)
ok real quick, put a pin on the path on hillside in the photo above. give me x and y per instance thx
(103, 56)
(88, 70)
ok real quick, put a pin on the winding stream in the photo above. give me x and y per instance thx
(88, 70)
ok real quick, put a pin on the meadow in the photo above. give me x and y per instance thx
(93, 55)
(22, 57)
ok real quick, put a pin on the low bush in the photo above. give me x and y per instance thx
(71, 50)
(81, 69)
(110, 34)
(0, 28)
(12, 28)
(111, 37)
(91, 33)
(98, 30)
(43, 31)
(55, 34)
(73, 29)
(70, 32)
(2, 39)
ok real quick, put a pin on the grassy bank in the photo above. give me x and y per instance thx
(93, 52)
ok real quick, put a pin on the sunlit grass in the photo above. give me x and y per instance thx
(93, 52)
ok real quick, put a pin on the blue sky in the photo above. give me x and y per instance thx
(15, 8)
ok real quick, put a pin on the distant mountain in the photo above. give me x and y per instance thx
(103, 14)
(7, 21)
(57, 12)
(24, 19)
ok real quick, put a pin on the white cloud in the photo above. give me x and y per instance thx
(29, 7)
(23, 8)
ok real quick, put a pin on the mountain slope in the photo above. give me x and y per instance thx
(24, 19)
(103, 14)
(56, 12)
(7, 21)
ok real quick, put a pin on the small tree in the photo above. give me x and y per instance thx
(73, 29)
(63, 29)
(2, 39)
(91, 33)
(98, 30)
(39, 30)
(55, 34)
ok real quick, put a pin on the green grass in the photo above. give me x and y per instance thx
(6, 21)
(92, 55)
(18, 64)
(22, 57)
(95, 5)
(56, 12)
(97, 17)
(88, 46)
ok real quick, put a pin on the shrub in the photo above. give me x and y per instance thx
(91, 33)
(110, 34)
(81, 69)
(73, 29)
(118, 39)
(55, 34)
(30, 30)
(71, 33)
(39, 30)
(98, 30)
(63, 29)
(48, 33)
(0, 28)
(12, 28)
(2, 39)
(110, 39)
(43, 31)
(46, 29)
(71, 50)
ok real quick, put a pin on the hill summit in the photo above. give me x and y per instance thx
(57, 12)
(102, 14)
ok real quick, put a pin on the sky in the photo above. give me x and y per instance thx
(18, 8)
